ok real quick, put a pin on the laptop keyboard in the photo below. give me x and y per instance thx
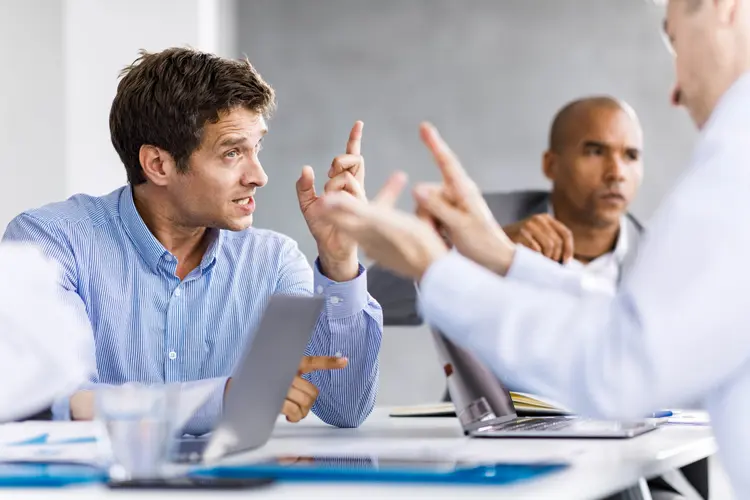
(536, 424)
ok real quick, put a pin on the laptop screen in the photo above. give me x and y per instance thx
(478, 395)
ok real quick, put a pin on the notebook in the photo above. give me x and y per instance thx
(525, 404)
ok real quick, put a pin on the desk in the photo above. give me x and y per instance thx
(599, 467)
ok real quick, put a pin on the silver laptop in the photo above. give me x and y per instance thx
(485, 408)
(261, 380)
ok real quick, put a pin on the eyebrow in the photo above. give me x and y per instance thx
(234, 141)
(588, 144)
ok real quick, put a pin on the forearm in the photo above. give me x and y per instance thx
(351, 326)
(597, 355)
(347, 396)
(81, 404)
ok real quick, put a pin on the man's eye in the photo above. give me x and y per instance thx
(232, 154)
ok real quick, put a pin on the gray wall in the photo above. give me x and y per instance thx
(489, 73)
(32, 137)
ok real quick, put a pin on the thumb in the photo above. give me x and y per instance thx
(306, 187)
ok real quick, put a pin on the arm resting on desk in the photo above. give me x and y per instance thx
(80, 406)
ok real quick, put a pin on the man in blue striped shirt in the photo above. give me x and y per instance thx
(167, 269)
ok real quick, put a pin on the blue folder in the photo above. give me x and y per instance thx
(366, 469)
(38, 475)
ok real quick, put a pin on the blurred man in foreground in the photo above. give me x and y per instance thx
(43, 344)
(677, 329)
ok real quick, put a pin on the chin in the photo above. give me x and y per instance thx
(238, 224)
(608, 219)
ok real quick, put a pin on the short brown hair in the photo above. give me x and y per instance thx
(165, 99)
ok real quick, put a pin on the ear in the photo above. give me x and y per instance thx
(158, 165)
(549, 165)
(726, 10)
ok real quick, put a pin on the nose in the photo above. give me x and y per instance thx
(615, 171)
(254, 175)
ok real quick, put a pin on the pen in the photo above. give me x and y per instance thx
(662, 414)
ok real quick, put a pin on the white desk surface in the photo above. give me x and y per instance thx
(599, 467)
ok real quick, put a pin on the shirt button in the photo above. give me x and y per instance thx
(335, 300)
(172, 355)
(319, 289)
(177, 292)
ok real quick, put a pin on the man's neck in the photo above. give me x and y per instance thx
(187, 244)
(589, 241)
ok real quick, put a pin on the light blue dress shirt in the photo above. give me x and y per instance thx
(678, 329)
(150, 327)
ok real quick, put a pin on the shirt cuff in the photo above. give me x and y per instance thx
(343, 299)
(534, 268)
(61, 409)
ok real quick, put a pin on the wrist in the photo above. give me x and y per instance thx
(429, 261)
(337, 269)
(502, 258)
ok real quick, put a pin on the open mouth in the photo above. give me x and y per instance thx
(243, 201)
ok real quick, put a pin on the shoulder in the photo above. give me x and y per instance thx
(78, 212)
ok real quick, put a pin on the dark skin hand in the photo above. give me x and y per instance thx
(544, 234)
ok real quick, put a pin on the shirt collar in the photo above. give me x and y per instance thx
(621, 245)
(150, 248)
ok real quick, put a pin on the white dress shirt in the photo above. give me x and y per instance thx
(43, 343)
(602, 274)
(678, 328)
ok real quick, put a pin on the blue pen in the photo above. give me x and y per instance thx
(662, 414)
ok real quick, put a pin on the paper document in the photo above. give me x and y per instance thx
(523, 403)
(80, 442)
(50, 442)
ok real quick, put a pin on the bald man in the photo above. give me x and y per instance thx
(594, 163)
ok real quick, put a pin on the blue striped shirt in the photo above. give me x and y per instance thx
(150, 327)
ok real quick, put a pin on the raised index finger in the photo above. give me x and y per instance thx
(453, 173)
(390, 192)
(314, 363)
(354, 145)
